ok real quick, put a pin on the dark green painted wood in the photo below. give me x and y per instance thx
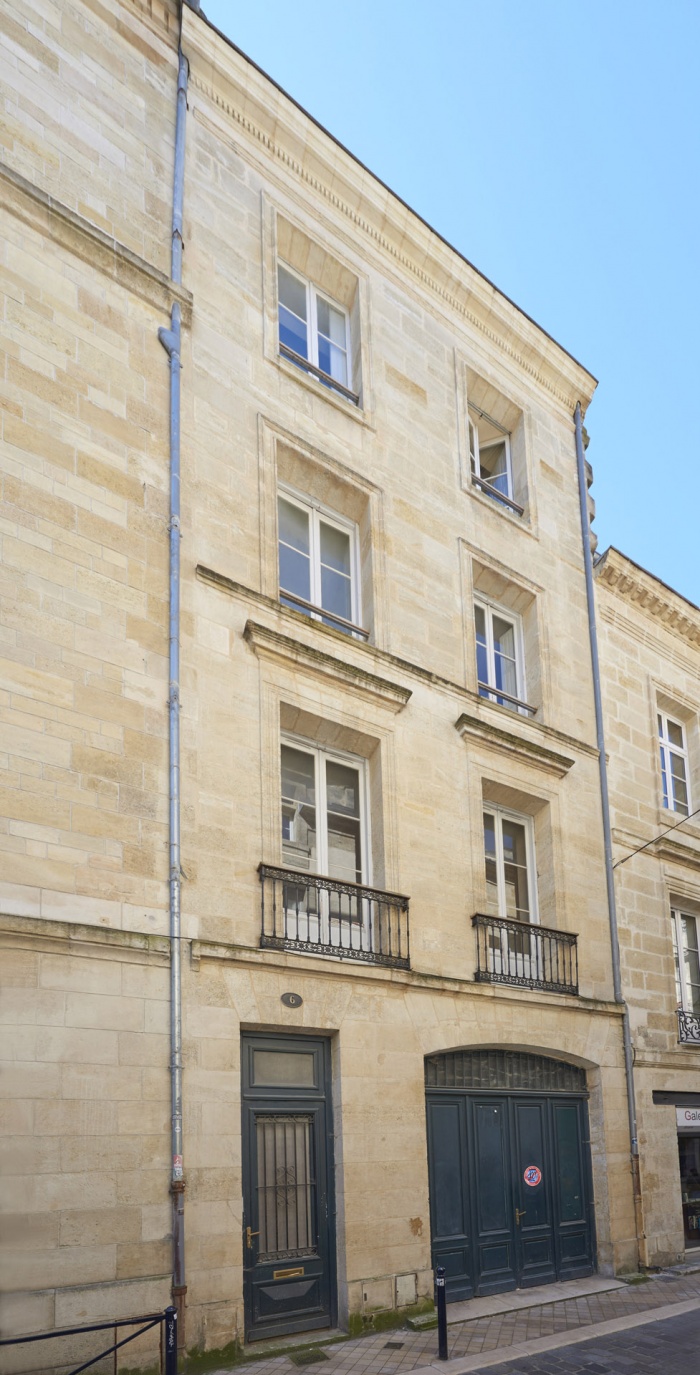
(288, 1077)
(490, 1229)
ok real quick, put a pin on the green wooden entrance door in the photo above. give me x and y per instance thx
(288, 1236)
(510, 1193)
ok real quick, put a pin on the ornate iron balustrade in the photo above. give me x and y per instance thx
(322, 916)
(688, 1027)
(514, 952)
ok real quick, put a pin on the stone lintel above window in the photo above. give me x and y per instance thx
(270, 644)
(508, 742)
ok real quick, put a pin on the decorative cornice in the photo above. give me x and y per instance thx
(311, 966)
(73, 232)
(650, 595)
(507, 742)
(210, 46)
(270, 644)
(82, 939)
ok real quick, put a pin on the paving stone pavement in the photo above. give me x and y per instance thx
(656, 1348)
(379, 1355)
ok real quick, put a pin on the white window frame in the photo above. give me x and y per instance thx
(475, 450)
(314, 920)
(682, 987)
(320, 755)
(491, 609)
(317, 513)
(313, 292)
(526, 822)
(667, 749)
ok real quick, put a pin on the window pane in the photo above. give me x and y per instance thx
(675, 734)
(292, 292)
(294, 525)
(292, 312)
(680, 790)
(332, 360)
(298, 809)
(331, 322)
(664, 777)
(335, 548)
(336, 586)
(295, 573)
(515, 870)
(293, 333)
(506, 675)
(691, 963)
(482, 662)
(336, 594)
(490, 861)
(679, 995)
(344, 837)
(493, 462)
(473, 447)
(294, 557)
(293, 1068)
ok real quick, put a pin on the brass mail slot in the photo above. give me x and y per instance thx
(287, 1274)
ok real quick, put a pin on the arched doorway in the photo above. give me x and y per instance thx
(509, 1168)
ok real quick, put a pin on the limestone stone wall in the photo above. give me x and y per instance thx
(85, 1133)
(649, 644)
(83, 666)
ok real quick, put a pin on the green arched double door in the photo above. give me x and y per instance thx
(509, 1164)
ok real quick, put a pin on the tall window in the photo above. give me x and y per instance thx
(674, 765)
(687, 957)
(323, 813)
(499, 656)
(510, 871)
(313, 330)
(489, 457)
(318, 563)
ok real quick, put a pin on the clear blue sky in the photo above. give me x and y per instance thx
(555, 144)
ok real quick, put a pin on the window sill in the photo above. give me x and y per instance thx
(688, 828)
(505, 502)
(358, 412)
(520, 522)
(514, 705)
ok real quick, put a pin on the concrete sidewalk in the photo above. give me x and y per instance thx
(484, 1332)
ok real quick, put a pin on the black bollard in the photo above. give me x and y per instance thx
(441, 1304)
(171, 1341)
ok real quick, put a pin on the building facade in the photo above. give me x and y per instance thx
(649, 656)
(401, 1044)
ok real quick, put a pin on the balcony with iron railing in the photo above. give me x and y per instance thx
(688, 1028)
(525, 956)
(314, 915)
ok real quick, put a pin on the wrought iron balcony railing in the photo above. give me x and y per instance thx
(514, 952)
(322, 916)
(688, 1028)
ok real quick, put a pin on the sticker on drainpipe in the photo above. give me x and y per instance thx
(177, 1167)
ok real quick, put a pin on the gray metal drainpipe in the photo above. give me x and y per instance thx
(171, 341)
(607, 829)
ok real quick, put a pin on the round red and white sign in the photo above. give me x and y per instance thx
(532, 1176)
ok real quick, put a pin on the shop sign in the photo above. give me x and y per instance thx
(688, 1117)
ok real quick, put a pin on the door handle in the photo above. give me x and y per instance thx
(519, 1212)
(249, 1238)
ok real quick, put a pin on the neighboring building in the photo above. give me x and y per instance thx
(650, 643)
(386, 695)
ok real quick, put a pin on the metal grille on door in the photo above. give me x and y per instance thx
(286, 1186)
